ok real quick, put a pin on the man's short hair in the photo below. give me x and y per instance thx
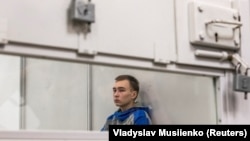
(134, 83)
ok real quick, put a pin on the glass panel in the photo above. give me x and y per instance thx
(174, 98)
(56, 95)
(10, 92)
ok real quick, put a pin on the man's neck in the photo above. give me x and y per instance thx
(124, 108)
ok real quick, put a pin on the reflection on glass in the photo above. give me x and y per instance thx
(10, 92)
(56, 95)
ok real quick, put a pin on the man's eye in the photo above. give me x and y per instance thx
(121, 90)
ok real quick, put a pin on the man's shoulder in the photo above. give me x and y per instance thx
(142, 116)
(141, 111)
(110, 117)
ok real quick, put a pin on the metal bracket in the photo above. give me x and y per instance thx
(3, 31)
(217, 55)
(223, 23)
(236, 60)
(87, 51)
(160, 56)
(241, 80)
(86, 47)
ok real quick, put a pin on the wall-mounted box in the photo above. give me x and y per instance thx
(188, 40)
(214, 25)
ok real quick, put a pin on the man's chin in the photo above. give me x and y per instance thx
(118, 104)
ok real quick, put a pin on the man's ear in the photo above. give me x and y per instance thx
(134, 94)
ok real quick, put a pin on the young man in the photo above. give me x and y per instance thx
(125, 92)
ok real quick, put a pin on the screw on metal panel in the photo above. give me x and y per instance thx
(200, 9)
(236, 43)
(234, 17)
(201, 37)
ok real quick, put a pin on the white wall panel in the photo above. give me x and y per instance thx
(137, 28)
(38, 22)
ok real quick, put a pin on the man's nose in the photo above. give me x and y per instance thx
(116, 93)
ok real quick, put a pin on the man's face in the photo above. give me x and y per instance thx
(123, 94)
